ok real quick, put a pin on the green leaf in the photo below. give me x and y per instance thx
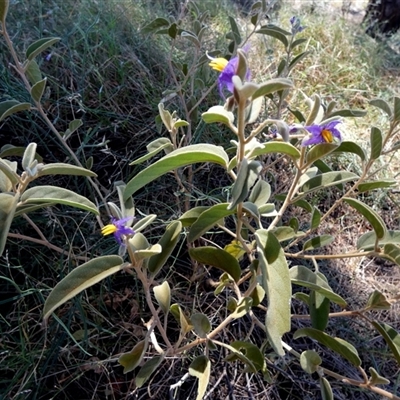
(319, 151)
(317, 242)
(310, 361)
(218, 114)
(173, 30)
(73, 126)
(201, 324)
(38, 90)
(383, 105)
(283, 233)
(300, 57)
(191, 37)
(154, 25)
(340, 346)
(57, 195)
(242, 308)
(376, 378)
(27, 208)
(378, 301)
(328, 179)
(348, 113)
(64, 169)
(372, 217)
(33, 73)
(376, 143)
(201, 369)
(392, 252)
(235, 30)
(276, 147)
(257, 295)
(8, 175)
(197, 153)
(79, 279)
(10, 107)
(183, 321)
(208, 219)
(29, 156)
(366, 186)
(275, 32)
(190, 217)
(319, 310)
(162, 293)
(40, 45)
(297, 42)
(396, 109)
(128, 208)
(367, 240)
(391, 336)
(302, 276)
(167, 242)
(144, 222)
(247, 175)
(315, 218)
(147, 370)
(3, 10)
(235, 249)
(260, 193)
(272, 86)
(251, 353)
(326, 390)
(163, 143)
(239, 355)
(132, 359)
(8, 205)
(277, 285)
(218, 258)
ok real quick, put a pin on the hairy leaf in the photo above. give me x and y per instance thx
(79, 279)
(197, 153)
(277, 285)
(201, 369)
(217, 258)
(340, 346)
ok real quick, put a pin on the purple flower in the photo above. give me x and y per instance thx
(296, 25)
(322, 133)
(118, 228)
(227, 70)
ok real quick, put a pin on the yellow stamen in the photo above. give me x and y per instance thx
(327, 135)
(108, 229)
(218, 64)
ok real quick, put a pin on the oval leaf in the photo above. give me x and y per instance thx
(64, 169)
(391, 336)
(277, 285)
(57, 195)
(367, 240)
(372, 217)
(8, 205)
(167, 242)
(328, 179)
(310, 361)
(276, 147)
(201, 324)
(303, 276)
(11, 107)
(376, 142)
(351, 147)
(218, 114)
(208, 219)
(79, 279)
(197, 153)
(147, 370)
(217, 258)
(40, 45)
(132, 359)
(38, 90)
(272, 86)
(366, 186)
(201, 369)
(162, 293)
(345, 349)
(317, 242)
